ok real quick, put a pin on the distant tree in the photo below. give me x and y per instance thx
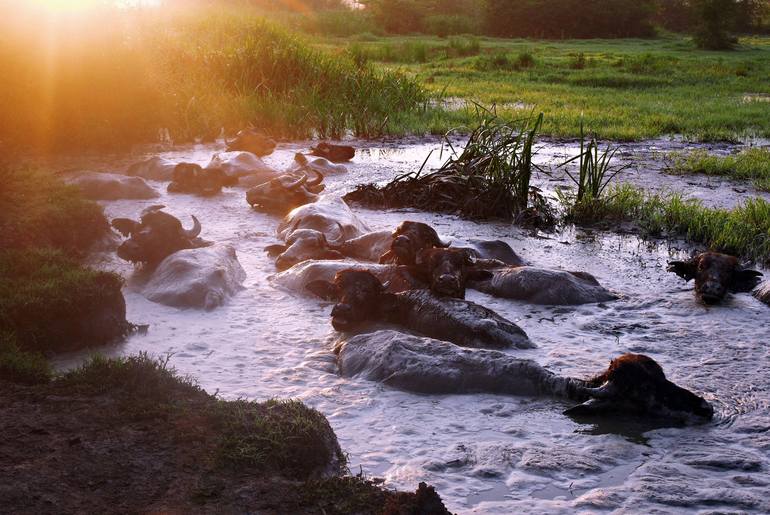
(570, 18)
(398, 16)
(716, 21)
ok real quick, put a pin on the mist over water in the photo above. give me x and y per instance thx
(491, 453)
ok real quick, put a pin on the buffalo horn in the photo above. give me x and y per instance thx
(195, 231)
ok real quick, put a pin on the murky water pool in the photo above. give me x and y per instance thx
(491, 453)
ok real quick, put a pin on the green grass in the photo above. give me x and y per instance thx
(749, 164)
(38, 210)
(52, 303)
(743, 231)
(622, 89)
(21, 367)
(191, 71)
(284, 436)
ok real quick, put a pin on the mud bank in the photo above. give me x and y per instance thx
(129, 437)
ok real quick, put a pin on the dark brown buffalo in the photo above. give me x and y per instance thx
(448, 270)
(156, 236)
(250, 140)
(409, 239)
(636, 384)
(715, 274)
(334, 153)
(286, 192)
(193, 178)
(362, 299)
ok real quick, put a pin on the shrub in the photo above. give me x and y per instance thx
(443, 25)
(716, 19)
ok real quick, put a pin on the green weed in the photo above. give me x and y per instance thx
(749, 164)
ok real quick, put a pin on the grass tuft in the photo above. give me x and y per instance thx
(743, 231)
(284, 436)
(22, 367)
(749, 164)
(52, 303)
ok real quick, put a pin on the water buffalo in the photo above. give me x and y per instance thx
(155, 169)
(314, 231)
(763, 292)
(320, 165)
(193, 178)
(297, 278)
(156, 236)
(363, 298)
(368, 247)
(334, 153)
(242, 165)
(285, 192)
(542, 286)
(409, 238)
(490, 251)
(715, 274)
(633, 384)
(250, 140)
(196, 278)
(109, 186)
(448, 270)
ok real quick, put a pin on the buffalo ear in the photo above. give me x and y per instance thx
(124, 226)
(275, 250)
(684, 269)
(322, 289)
(479, 275)
(745, 280)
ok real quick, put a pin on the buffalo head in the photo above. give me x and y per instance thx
(192, 178)
(334, 153)
(715, 274)
(249, 140)
(286, 192)
(359, 294)
(635, 384)
(302, 245)
(156, 236)
(448, 270)
(409, 238)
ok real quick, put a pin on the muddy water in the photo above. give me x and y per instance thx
(489, 453)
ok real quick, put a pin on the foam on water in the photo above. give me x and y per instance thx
(488, 453)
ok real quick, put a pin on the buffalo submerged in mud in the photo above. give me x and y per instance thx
(315, 231)
(155, 236)
(182, 270)
(633, 384)
(286, 192)
(362, 298)
(715, 275)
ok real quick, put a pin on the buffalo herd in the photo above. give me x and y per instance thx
(408, 279)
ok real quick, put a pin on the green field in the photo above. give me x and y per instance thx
(624, 89)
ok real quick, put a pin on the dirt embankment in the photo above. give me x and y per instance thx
(128, 436)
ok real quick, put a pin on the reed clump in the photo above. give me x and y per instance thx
(490, 178)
